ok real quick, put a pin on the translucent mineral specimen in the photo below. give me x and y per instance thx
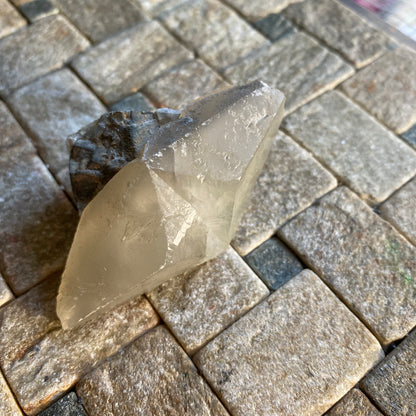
(175, 206)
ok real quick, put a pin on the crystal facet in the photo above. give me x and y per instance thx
(175, 206)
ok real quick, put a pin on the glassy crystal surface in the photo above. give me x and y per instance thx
(175, 206)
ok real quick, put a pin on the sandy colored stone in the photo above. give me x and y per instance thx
(354, 403)
(36, 50)
(42, 362)
(8, 405)
(362, 258)
(52, 108)
(199, 305)
(183, 84)
(152, 376)
(37, 222)
(10, 19)
(100, 19)
(254, 10)
(214, 31)
(67, 406)
(290, 181)
(387, 89)
(117, 67)
(391, 385)
(296, 353)
(297, 65)
(340, 28)
(365, 155)
(400, 210)
(5, 293)
(38, 9)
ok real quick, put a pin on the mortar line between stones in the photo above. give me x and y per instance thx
(17, 9)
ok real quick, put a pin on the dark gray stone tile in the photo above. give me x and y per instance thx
(274, 263)
(275, 26)
(38, 9)
(410, 136)
(69, 405)
(136, 102)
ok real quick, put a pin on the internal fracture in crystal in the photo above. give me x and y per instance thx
(175, 200)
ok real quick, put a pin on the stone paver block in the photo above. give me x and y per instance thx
(362, 258)
(34, 51)
(50, 109)
(136, 102)
(217, 33)
(183, 84)
(100, 19)
(8, 405)
(296, 353)
(274, 263)
(253, 10)
(10, 19)
(67, 406)
(391, 385)
(199, 305)
(364, 154)
(291, 180)
(42, 362)
(354, 403)
(340, 28)
(152, 376)
(38, 9)
(13, 140)
(5, 292)
(297, 65)
(126, 62)
(275, 26)
(387, 89)
(400, 210)
(410, 136)
(37, 223)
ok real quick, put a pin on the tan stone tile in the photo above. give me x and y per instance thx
(363, 154)
(152, 376)
(354, 403)
(296, 353)
(5, 293)
(10, 19)
(291, 180)
(8, 406)
(199, 305)
(362, 258)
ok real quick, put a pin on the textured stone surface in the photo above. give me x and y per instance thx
(218, 34)
(275, 26)
(391, 385)
(199, 305)
(362, 258)
(274, 263)
(38, 9)
(34, 51)
(290, 181)
(387, 89)
(50, 109)
(354, 403)
(152, 376)
(296, 353)
(116, 67)
(45, 361)
(256, 10)
(5, 292)
(400, 210)
(67, 406)
(183, 84)
(296, 64)
(10, 19)
(8, 405)
(100, 19)
(37, 222)
(134, 102)
(340, 28)
(364, 154)
(13, 140)
(410, 136)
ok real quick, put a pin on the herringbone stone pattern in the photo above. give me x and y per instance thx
(319, 282)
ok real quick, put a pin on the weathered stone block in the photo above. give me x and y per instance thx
(297, 65)
(387, 89)
(363, 154)
(362, 258)
(152, 376)
(354, 403)
(36, 50)
(5, 293)
(38, 9)
(8, 406)
(275, 26)
(296, 353)
(10, 19)
(200, 304)
(290, 181)
(116, 67)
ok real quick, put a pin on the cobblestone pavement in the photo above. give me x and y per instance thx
(311, 310)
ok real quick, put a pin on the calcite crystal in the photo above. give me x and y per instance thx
(174, 206)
